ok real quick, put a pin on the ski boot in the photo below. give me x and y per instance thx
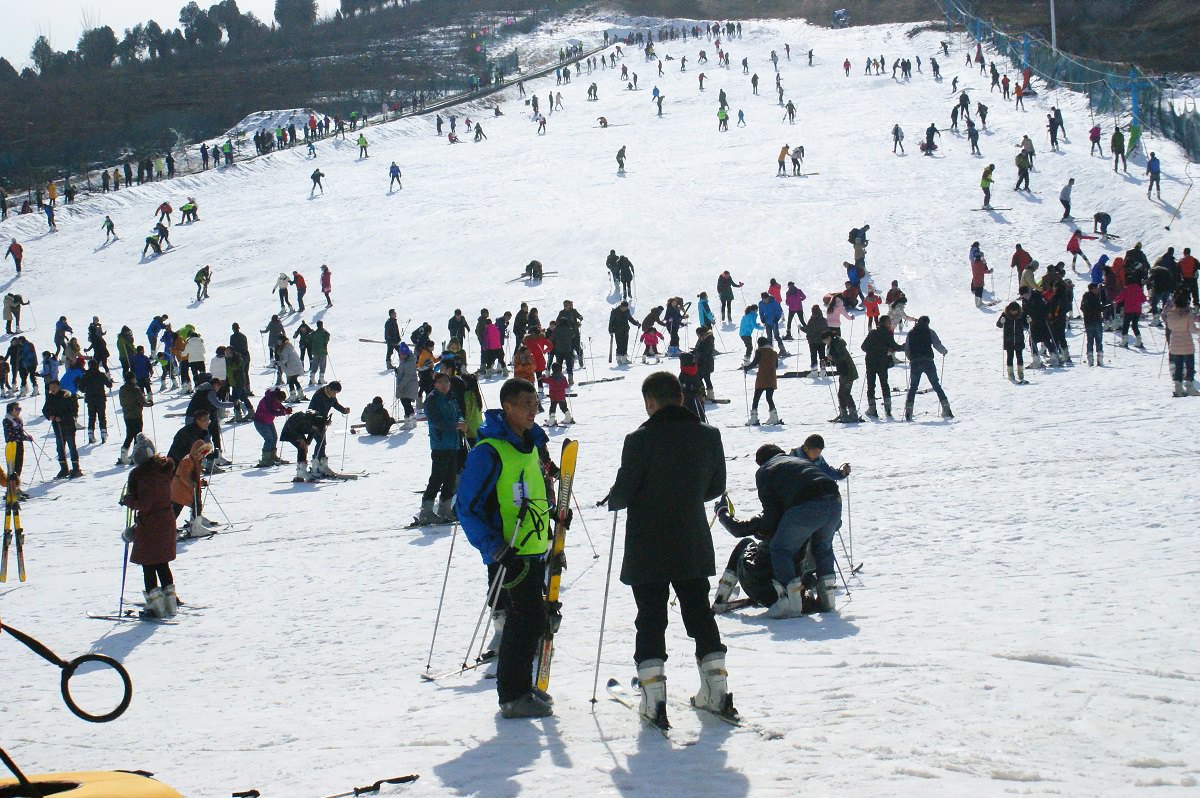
(1099, 358)
(527, 706)
(1137, 341)
(63, 471)
(156, 606)
(427, 517)
(1179, 389)
(267, 459)
(75, 472)
(552, 421)
(91, 437)
(946, 410)
(567, 418)
(124, 459)
(445, 511)
(872, 412)
(790, 601)
(773, 419)
(1012, 377)
(103, 435)
(301, 472)
(170, 602)
(908, 411)
(1021, 374)
(753, 422)
(727, 588)
(710, 395)
(826, 592)
(714, 692)
(652, 680)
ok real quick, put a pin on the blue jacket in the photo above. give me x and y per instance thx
(70, 378)
(1152, 166)
(154, 329)
(707, 319)
(29, 356)
(141, 366)
(749, 325)
(820, 463)
(770, 311)
(442, 413)
(476, 504)
(49, 369)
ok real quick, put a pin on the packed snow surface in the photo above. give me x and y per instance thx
(1020, 625)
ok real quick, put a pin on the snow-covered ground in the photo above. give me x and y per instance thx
(1021, 622)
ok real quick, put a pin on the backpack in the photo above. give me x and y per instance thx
(854, 234)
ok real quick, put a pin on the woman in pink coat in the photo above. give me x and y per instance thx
(326, 285)
(494, 349)
(1130, 300)
(835, 311)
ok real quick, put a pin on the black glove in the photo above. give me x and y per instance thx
(507, 558)
(603, 501)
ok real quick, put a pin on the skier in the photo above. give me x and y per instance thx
(795, 305)
(897, 138)
(973, 137)
(1023, 166)
(324, 402)
(979, 272)
(394, 173)
(164, 211)
(670, 467)
(110, 230)
(1052, 126)
(621, 159)
(879, 346)
(407, 384)
(1073, 246)
(327, 285)
(391, 337)
(1092, 308)
(1014, 323)
(783, 154)
(301, 288)
(1094, 138)
(770, 312)
(800, 504)
(1153, 169)
(985, 183)
(148, 495)
(16, 252)
(838, 354)
(202, 279)
(918, 348)
(1100, 223)
(725, 286)
(362, 146)
(94, 385)
(318, 354)
(766, 360)
(619, 322)
(61, 409)
(316, 182)
(15, 437)
(1064, 197)
(1182, 325)
(1117, 145)
(504, 507)
(446, 427)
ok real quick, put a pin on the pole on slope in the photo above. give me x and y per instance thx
(441, 599)
(612, 545)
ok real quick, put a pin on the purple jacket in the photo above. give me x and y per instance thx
(795, 300)
(269, 408)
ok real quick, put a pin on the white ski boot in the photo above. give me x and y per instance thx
(155, 603)
(446, 512)
(1190, 388)
(410, 423)
(753, 422)
(323, 469)
(567, 418)
(170, 602)
(124, 459)
(552, 421)
(493, 647)
(1091, 359)
(1179, 389)
(790, 603)
(773, 418)
(1012, 377)
(652, 680)
(1099, 358)
(714, 692)
(727, 588)
(301, 472)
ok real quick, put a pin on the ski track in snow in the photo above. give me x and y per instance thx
(1020, 626)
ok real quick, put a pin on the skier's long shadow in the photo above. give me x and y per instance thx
(118, 645)
(487, 769)
(998, 217)
(644, 772)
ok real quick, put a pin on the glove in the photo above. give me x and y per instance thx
(128, 534)
(845, 469)
(603, 501)
(566, 518)
(552, 470)
(507, 558)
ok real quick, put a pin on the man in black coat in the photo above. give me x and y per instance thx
(60, 410)
(878, 346)
(239, 344)
(391, 337)
(619, 322)
(670, 467)
(799, 503)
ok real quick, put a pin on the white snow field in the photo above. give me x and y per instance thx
(1021, 623)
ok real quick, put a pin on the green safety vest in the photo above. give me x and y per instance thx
(521, 476)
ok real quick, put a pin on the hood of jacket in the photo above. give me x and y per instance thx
(494, 426)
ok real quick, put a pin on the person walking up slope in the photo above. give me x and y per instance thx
(918, 348)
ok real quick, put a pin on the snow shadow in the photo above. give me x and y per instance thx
(119, 644)
(488, 769)
(820, 626)
(657, 767)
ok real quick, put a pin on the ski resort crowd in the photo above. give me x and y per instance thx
(491, 470)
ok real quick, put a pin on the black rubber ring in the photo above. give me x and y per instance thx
(69, 671)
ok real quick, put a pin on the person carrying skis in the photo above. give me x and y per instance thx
(879, 347)
(670, 467)
(394, 173)
(148, 495)
(504, 506)
(801, 506)
(766, 360)
(1014, 324)
(839, 356)
(919, 346)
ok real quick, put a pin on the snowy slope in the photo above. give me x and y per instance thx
(1020, 625)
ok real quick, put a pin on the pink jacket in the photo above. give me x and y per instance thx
(776, 290)
(1181, 324)
(1131, 298)
(491, 336)
(835, 314)
(326, 281)
(795, 300)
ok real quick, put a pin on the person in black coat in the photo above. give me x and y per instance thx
(60, 410)
(95, 384)
(878, 346)
(391, 337)
(799, 503)
(670, 467)
(705, 352)
(1014, 324)
(619, 322)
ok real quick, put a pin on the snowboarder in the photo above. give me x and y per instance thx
(800, 504)
(670, 467)
(919, 346)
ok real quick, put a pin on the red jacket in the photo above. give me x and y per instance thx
(16, 250)
(1187, 267)
(979, 268)
(298, 279)
(557, 388)
(1131, 298)
(1020, 259)
(1073, 245)
(871, 302)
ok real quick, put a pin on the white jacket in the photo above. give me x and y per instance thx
(217, 368)
(289, 361)
(193, 350)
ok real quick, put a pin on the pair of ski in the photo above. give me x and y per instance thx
(13, 531)
(331, 477)
(630, 699)
(531, 277)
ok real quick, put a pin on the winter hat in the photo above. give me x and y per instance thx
(143, 449)
(404, 350)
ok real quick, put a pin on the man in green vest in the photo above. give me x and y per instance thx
(504, 507)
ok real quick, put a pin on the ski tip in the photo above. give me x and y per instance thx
(612, 682)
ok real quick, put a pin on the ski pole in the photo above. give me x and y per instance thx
(612, 545)
(124, 559)
(746, 393)
(345, 437)
(492, 596)
(437, 618)
(610, 347)
(595, 554)
(849, 523)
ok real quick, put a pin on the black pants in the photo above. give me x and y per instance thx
(845, 392)
(1014, 354)
(626, 289)
(64, 439)
(726, 309)
(442, 474)
(746, 339)
(155, 575)
(524, 623)
(816, 353)
(884, 387)
(651, 622)
(132, 427)
(96, 412)
(390, 349)
(408, 407)
(794, 314)
(622, 343)
(758, 394)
